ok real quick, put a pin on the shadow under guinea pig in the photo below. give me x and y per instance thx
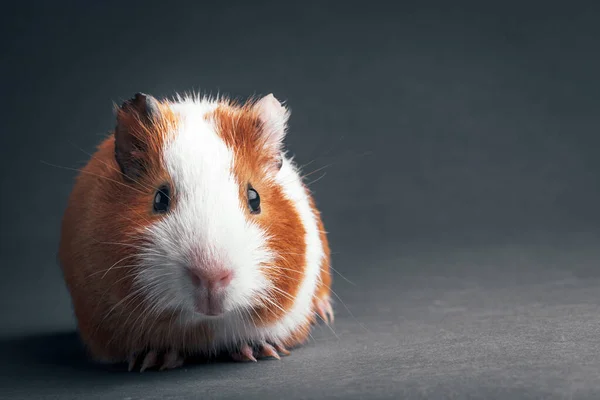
(58, 363)
(64, 350)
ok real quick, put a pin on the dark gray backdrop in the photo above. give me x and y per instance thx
(461, 191)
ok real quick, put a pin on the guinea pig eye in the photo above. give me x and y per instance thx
(253, 201)
(162, 200)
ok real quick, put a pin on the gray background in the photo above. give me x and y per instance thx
(461, 191)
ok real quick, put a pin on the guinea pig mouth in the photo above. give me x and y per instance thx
(210, 288)
(209, 304)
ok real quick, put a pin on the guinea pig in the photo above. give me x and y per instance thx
(190, 232)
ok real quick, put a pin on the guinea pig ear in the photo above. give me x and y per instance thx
(133, 118)
(274, 118)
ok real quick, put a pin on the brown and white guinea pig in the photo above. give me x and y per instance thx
(191, 232)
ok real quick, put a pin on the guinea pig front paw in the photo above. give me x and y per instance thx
(264, 350)
(151, 359)
(324, 309)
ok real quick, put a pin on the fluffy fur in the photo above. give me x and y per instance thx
(125, 266)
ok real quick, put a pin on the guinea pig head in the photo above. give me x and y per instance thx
(219, 231)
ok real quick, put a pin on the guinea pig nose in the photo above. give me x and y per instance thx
(212, 279)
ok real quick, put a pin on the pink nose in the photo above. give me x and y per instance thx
(211, 279)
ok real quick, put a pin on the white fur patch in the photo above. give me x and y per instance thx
(208, 214)
(207, 218)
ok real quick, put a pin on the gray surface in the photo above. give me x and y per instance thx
(507, 322)
(461, 200)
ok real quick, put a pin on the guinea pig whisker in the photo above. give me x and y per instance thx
(130, 297)
(257, 315)
(132, 245)
(82, 171)
(293, 279)
(102, 297)
(160, 306)
(298, 280)
(155, 309)
(304, 176)
(291, 298)
(349, 312)
(236, 329)
(175, 309)
(110, 166)
(317, 180)
(342, 276)
(156, 278)
(271, 302)
(328, 151)
(301, 167)
(115, 264)
(112, 309)
(132, 220)
(113, 267)
(151, 299)
(279, 307)
(124, 325)
(350, 157)
(283, 292)
(287, 276)
(248, 308)
(285, 260)
(126, 276)
(333, 269)
(246, 321)
(143, 251)
(328, 325)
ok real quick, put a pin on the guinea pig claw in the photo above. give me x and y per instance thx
(248, 353)
(267, 350)
(281, 349)
(325, 311)
(149, 360)
(172, 360)
(245, 354)
(132, 361)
